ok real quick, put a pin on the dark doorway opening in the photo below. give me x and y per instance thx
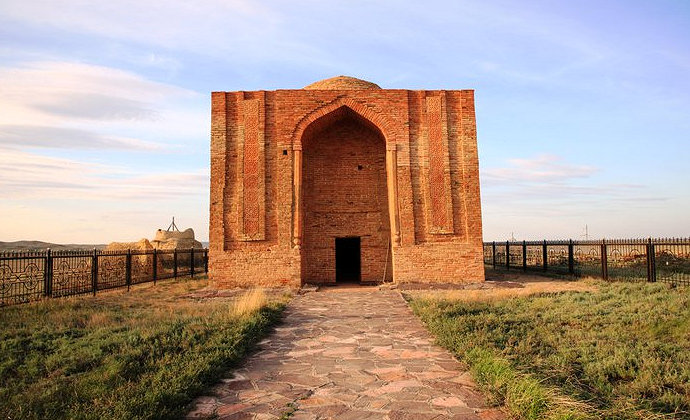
(348, 261)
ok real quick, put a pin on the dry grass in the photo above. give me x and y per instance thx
(249, 302)
(501, 293)
(145, 307)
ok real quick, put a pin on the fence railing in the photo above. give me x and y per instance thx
(34, 275)
(665, 260)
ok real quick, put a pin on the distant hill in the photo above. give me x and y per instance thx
(39, 245)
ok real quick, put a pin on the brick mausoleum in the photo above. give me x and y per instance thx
(344, 181)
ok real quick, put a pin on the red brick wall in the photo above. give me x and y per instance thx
(438, 203)
(344, 195)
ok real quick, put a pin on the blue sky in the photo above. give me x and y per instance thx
(583, 108)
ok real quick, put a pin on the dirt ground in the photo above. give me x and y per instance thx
(499, 285)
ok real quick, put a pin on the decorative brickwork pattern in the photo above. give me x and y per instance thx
(252, 171)
(438, 182)
(294, 170)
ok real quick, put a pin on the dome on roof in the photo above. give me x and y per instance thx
(342, 83)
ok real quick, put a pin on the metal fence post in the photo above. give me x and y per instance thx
(94, 271)
(155, 265)
(653, 253)
(524, 256)
(128, 269)
(191, 264)
(649, 249)
(604, 261)
(48, 274)
(175, 263)
(571, 257)
(206, 260)
(507, 255)
(545, 255)
(649, 261)
(493, 254)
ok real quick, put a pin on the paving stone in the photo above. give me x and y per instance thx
(357, 353)
(370, 402)
(450, 401)
(361, 415)
(404, 415)
(238, 385)
(226, 410)
(265, 416)
(408, 406)
(303, 416)
(237, 416)
(273, 386)
(230, 398)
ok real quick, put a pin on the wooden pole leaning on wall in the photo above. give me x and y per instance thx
(392, 187)
(297, 199)
(385, 267)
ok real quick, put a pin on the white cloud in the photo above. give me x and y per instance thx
(539, 169)
(70, 201)
(217, 26)
(550, 179)
(46, 92)
(67, 138)
(548, 197)
(29, 176)
(73, 105)
(90, 112)
(94, 106)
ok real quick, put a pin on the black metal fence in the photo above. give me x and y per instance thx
(665, 260)
(34, 275)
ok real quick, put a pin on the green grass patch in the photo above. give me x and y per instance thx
(139, 355)
(622, 352)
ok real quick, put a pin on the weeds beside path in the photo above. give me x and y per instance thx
(138, 355)
(617, 351)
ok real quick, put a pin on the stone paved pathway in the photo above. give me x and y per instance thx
(354, 353)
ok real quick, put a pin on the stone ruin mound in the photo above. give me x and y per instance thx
(164, 240)
(142, 245)
(170, 239)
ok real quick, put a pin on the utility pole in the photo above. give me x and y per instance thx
(586, 233)
(173, 226)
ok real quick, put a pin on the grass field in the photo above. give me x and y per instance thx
(143, 354)
(609, 351)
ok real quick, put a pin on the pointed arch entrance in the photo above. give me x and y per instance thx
(344, 192)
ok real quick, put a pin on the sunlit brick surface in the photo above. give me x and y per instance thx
(291, 170)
